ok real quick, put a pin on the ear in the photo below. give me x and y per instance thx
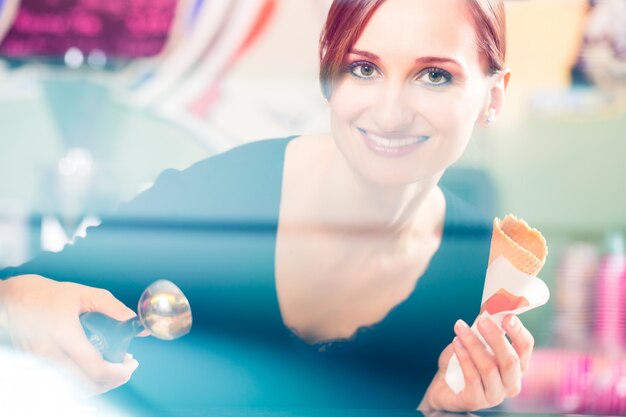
(494, 102)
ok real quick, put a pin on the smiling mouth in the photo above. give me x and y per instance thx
(394, 142)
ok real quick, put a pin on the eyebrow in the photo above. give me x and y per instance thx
(365, 54)
(438, 60)
(421, 60)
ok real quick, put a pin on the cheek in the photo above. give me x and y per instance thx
(348, 101)
(454, 120)
(457, 117)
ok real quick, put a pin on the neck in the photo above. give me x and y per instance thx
(353, 202)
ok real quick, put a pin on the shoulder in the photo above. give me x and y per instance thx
(247, 160)
(309, 152)
(256, 154)
(246, 175)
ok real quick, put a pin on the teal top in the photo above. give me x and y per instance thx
(211, 229)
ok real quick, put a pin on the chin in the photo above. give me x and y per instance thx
(391, 178)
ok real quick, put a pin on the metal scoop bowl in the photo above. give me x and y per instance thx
(163, 311)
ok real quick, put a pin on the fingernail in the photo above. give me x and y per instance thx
(486, 324)
(513, 322)
(461, 326)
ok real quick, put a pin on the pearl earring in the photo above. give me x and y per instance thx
(490, 117)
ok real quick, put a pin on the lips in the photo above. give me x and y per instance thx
(392, 144)
(394, 141)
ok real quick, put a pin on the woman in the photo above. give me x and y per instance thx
(337, 253)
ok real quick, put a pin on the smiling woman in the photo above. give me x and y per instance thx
(407, 84)
(345, 259)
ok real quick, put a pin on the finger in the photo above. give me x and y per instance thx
(66, 344)
(122, 371)
(473, 382)
(112, 375)
(521, 339)
(445, 356)
(54, 358)
(70, 370)
(48, 351)
(100, 300)
(484, 361)
(53, 355)
(103, 374)
(506, 357)
(89, 386)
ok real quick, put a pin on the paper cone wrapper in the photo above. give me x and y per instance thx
(517, 254)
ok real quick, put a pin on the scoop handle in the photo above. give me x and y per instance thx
(109, 336)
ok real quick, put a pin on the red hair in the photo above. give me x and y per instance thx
(347, 19)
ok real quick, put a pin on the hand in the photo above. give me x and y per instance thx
(41, 316)
(489, 377)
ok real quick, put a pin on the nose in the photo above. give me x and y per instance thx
(394, 111)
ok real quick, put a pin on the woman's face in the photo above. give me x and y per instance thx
(412, 89)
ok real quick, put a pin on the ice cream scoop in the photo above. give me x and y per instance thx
(163, 311)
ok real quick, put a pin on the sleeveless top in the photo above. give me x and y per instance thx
(211, 229)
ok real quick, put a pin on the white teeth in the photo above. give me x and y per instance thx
(396, 143)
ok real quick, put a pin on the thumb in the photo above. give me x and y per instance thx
(102, 301)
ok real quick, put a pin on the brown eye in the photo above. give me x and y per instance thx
(367, 70)
(435, 77)
(364, 70)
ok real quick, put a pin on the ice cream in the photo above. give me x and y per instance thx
(519, 243)
(525, 248)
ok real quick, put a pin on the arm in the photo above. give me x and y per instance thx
(489, 378)
(41, 315)
(180, 230)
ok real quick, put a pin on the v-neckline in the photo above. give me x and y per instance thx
(339, 345)
(342, 344)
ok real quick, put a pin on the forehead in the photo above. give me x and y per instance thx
(421, 28)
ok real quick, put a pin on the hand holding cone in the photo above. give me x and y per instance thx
(517, 254)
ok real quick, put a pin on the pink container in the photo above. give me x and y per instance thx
(609, 313)
(562, 381)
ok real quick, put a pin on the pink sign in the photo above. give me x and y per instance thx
(119, 28)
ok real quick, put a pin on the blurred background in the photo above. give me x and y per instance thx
(97, 97)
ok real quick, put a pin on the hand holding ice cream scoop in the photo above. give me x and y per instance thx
(163, 311)
(517, 254)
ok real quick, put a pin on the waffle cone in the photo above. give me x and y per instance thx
(522, 245)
